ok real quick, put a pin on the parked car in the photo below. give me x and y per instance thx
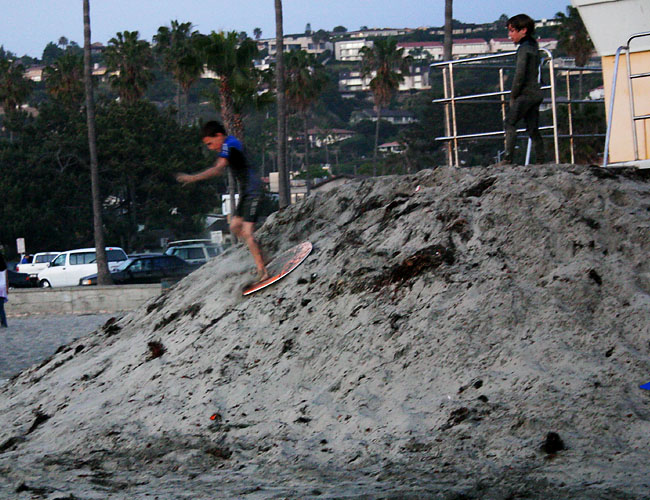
(145, 269)
(67, 268)
(195, 252)
(38, 263)
(20, 280)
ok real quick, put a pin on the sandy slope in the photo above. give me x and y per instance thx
(444, 325)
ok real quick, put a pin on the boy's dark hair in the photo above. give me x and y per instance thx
(212, 128)
(521, 21)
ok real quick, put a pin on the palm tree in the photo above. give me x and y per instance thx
(574, 39)
(64, 79)
(14, 90)
(131, 60)
(178, 46)
(252, 94)
(232, 62)
(14, 87)
(103, 274)
(387, 65)
(283, 175)
(257, 33)
(305, 81)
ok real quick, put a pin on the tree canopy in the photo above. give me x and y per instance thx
(130, 60)
(573, 36)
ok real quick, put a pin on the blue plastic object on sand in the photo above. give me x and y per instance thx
(646, 386)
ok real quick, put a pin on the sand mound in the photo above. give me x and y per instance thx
(472, 333)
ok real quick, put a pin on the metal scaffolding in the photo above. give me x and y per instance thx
(450, 100)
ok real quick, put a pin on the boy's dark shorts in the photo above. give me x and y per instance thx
(249, 207)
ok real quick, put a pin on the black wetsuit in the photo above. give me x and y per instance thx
(525, 98)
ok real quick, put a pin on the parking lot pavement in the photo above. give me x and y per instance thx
(28, 341)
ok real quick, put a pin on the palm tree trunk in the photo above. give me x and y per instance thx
(448, 43)
(306, 127)
(283, 175)
(103, 274)
(237, 127)
(448, 54)
(227, 108)
(374, 156)
(228, 115)
(178, 103)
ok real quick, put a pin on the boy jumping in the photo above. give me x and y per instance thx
(231, 154)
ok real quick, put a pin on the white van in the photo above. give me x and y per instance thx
(67, 268)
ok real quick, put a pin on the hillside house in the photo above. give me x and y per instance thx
(391, 148)
(296, 42)
(394, 116)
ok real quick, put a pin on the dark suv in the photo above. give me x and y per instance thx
(146, 269)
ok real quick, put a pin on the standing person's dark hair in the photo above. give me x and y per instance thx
(522, 21)
(4, 288)
(526, 94)
(231, 155)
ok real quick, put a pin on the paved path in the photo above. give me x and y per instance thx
(28, 341)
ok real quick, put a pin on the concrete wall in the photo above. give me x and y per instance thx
(79, 300)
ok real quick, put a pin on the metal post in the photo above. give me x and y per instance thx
(551, 69)
(632, 110)
(503, 101)
(611, 106)
(453, 112)
(568, 96)
(445, 76)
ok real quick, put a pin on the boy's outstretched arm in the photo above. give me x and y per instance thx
(213, 171)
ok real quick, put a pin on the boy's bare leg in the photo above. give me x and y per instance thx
(245, 230)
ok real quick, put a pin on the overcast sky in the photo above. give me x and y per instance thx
(26, 26)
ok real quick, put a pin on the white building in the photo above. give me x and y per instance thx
(502, 45)
(296, 42)
(417, 79)
(352, 81)
(394, 116)
(423, 50)
(350, 50)
(34, 73)
(366, 33)
(465, 47)
(391, 147)
(320, 137)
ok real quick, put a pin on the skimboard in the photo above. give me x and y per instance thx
(280, 266)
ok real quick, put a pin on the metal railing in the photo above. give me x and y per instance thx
(569, 101)
(450, 99)
(633, 116)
